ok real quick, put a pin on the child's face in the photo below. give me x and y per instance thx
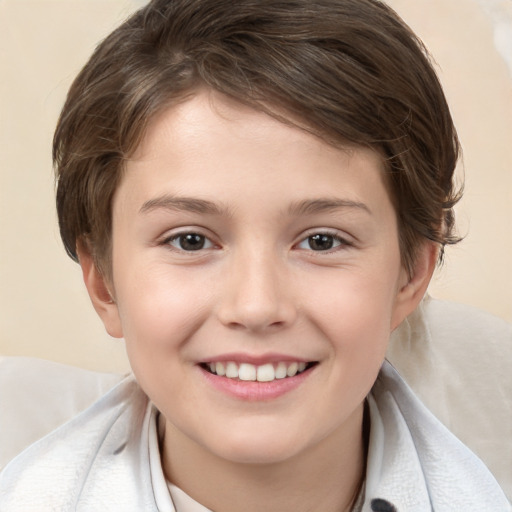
(239, 239)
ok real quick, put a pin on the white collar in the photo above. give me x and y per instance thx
(101, 460)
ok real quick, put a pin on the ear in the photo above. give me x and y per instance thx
(99, 292)
(413, 287)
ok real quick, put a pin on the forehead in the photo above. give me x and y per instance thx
(210, 112)
(212, 145)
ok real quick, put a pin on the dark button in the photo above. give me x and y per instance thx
(379, 505)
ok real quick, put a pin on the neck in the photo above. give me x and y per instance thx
(327, 477)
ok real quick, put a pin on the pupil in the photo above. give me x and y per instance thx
(192, 242)
(321, 242)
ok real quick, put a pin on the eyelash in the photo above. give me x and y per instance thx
(180, 236)
(337, 242)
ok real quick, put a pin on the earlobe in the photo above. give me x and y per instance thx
(99, 293)
(413, 290)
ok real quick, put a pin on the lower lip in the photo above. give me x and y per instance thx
(255, 391)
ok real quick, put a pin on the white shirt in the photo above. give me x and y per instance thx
(107, 459)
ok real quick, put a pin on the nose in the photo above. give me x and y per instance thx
(257, 295)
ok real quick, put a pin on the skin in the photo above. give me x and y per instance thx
(257, 287)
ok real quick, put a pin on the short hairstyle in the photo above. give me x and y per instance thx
(351, 71)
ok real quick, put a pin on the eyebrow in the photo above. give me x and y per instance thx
(203, 206)
(312, 206)
(188, 204)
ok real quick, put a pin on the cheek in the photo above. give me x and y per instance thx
(159, 311)
(356, 321)
(354, 310)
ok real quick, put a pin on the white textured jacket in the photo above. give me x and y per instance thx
(104, 459)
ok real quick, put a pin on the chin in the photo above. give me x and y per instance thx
(255, 448)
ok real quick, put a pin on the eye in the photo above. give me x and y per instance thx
(189, 242)
(322, 242)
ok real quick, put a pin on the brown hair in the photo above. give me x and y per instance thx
(351, 70)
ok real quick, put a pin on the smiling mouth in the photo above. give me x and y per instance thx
(260, 373)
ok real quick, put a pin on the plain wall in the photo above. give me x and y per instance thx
(45, 311)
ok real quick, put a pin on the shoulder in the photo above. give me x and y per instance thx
(37, 396)
(408, 443)
(457, 358)
(99, 447)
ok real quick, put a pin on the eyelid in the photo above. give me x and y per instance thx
(344, 240)
(176, 233)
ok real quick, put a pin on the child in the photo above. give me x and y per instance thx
(257, 193)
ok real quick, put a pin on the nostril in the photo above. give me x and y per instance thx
(277, 324)
(255, 320)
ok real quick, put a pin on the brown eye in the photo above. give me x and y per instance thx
(190, 242)
(321, 242)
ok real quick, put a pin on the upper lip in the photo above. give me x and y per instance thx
(256, 360)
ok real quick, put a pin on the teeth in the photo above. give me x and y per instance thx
(232, 371)
(249, 372)
(265, 373)
(292, 369)
(220, 369)
(281, 371)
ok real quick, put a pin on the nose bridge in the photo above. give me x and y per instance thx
(257, 294)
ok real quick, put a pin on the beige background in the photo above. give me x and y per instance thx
(44, 308)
